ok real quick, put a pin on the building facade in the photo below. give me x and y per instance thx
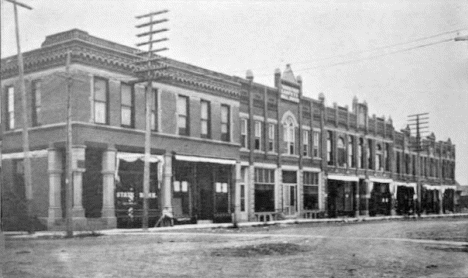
(222, 147)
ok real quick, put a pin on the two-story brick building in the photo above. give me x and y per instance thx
(220, 145)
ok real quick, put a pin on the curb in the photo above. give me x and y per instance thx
(60, 234)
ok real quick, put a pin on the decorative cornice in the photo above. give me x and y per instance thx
(111, 56)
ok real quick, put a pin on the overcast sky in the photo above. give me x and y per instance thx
(233, 36)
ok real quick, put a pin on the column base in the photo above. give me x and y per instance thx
(78, 212)
(356, 214)
(365, 213)
(393, 212)
(54, 217)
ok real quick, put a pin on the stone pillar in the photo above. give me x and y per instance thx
(238, 181)
(356, 200)
(167, 183)
(300, 192)
(441, 201)
(393, 200)
(251, 192)
(108, 188)
(55, 185)
(323, 191)
(369, 186)
(78, 169)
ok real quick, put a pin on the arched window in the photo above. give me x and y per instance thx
(378, 157)
(351, 159)
(341, 152)
(289, 135)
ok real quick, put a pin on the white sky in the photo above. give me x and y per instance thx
(233, 36)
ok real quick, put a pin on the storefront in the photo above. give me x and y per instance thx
(341, 192)
(129, 189)
(406, 196)
(380, 202)
(202, 189)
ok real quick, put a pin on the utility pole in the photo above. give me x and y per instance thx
(69, 179)
(148, 72)
(27, 159)
(419, 121)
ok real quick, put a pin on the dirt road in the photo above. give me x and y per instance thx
(429, 248)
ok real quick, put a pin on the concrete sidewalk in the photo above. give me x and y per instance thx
(59, 234)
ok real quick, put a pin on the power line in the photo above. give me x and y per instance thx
(368, 58)
(374, 49)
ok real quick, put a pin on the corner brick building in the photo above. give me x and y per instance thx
(221, 145)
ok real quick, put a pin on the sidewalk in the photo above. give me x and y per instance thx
(59, 234)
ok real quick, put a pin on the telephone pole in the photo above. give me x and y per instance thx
(69, 179)
(27, 159)
(152, 66)
(419, 122)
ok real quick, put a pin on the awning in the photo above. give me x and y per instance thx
(380, 180)
(205, 159)
(431, 187)
(343, 178)
(132, 157)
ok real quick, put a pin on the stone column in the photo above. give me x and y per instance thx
(356, 200)
(55, 185)
(441, 200)
(323, 205)
(369, 186)
(300, 193)
(167, 184)
(78, 169)
(108, 188)
(251, 193)
(393, 200)
(238, 180)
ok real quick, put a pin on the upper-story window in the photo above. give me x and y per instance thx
(244, 132)
(407, 164)
(351, 157)
(341, 152)
(330, 148)
(154, 109)
(183, 115)
(258, 135)
(10, 108)
(305, 143)
(370, 155)
(205, 119)
(225, 123)
(378, 157)
(127, 106)
(36, 100)
(289, 136)
(413, 167)
(398, 162)
(387, 157)
(361, 153)
(101, 101)
(271, 137)
(316, 142)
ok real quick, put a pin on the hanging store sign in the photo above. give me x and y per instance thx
(289, 93)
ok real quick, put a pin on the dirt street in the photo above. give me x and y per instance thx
(424, 248)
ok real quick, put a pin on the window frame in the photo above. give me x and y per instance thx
(207, 121)
(258, 135)
(10, 108)
(351, 152)
(131, 106)
(271, 137)
(316, 144)
(185, 131)
(305, 143)
(36, 102)
(244, 133)
(96, 101)
(226, 123)
(290, 136)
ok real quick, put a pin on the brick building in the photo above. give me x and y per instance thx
(220, 144)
